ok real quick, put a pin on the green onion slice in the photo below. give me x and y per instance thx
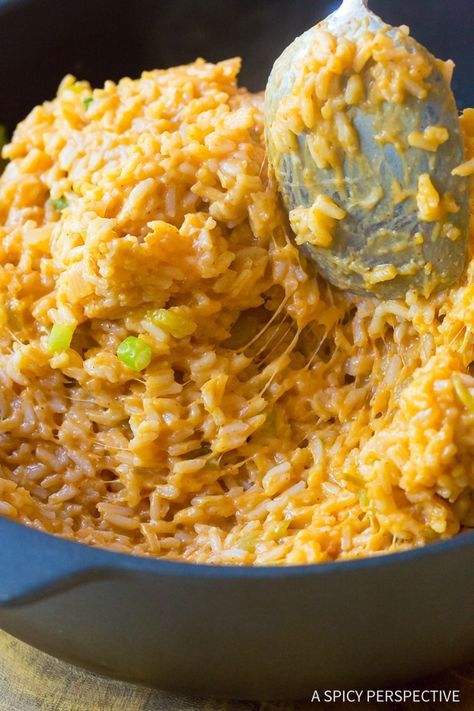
(60, 337)
(135, 353)
(59, 204)
(173, 321)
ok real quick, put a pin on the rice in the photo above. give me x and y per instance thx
(279, 421)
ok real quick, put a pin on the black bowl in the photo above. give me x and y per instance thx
(235, 632)
(252, 633)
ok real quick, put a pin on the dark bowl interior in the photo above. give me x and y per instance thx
(42, 40)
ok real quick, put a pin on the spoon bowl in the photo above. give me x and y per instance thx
(383, 238)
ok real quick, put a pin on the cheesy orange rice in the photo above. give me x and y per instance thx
(278, 420)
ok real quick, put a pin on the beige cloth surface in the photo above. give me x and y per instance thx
(33, 681)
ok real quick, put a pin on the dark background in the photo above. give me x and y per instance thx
(41, 40)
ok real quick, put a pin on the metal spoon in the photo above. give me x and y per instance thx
(378, 191)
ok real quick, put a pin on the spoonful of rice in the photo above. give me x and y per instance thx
(364, 138)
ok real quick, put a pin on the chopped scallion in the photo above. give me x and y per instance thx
(59, 204)
(173, 321)
(135, 353)
(60, 337)
(87, 101)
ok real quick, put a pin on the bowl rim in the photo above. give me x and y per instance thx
(92, 558)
